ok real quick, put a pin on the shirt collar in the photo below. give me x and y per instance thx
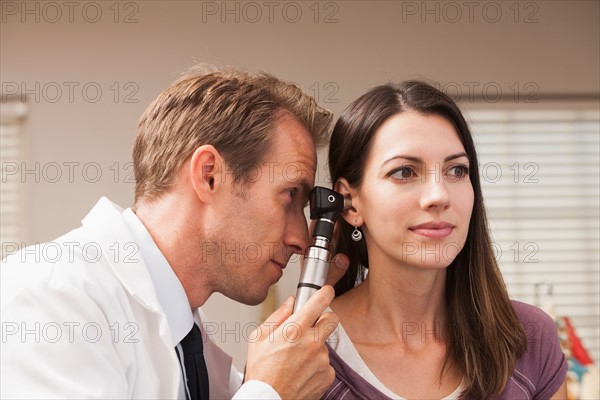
(169, 291)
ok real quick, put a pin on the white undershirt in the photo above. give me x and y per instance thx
(341, 343)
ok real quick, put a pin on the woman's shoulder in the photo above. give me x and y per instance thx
(539, 327)
(542, 368)
(529, 313)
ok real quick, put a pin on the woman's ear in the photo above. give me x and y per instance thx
(205, 169)
(351, 215)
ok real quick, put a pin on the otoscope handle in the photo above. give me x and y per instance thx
(313, 274)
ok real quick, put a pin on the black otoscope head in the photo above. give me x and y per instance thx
(325, 205)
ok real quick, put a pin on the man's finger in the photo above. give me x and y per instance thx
(337, 268)
(314, 307)
(277, 318)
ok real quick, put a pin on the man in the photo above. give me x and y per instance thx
(223, 162)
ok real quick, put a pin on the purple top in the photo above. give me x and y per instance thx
(538, 374)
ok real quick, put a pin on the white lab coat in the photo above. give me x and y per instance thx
(81, 319)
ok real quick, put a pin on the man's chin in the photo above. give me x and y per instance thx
(250, 299)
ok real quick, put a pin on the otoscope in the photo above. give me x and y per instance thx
(325, 206)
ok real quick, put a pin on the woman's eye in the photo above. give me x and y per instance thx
(403, 173)
(459, 171)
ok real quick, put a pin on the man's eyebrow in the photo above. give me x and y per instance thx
(305, 186)
(418, 160)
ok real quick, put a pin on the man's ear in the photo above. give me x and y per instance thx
(351, 215)
(205, 170)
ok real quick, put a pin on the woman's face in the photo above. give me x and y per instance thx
(416, 198)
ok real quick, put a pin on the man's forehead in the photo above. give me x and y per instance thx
(291, 172)
(293, 148)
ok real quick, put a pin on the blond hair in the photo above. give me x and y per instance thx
(232, 110)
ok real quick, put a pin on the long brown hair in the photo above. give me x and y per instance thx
(485, 335)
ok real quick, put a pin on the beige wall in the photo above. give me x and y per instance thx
(530, 48)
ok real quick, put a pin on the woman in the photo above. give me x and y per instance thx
(432, 318)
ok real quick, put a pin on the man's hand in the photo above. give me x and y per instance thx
(290, 353)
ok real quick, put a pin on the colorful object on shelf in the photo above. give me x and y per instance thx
(583, 377)
(577, 350)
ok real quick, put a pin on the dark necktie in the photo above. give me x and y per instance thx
(195, 367)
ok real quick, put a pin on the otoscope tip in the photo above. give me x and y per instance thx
(347, 203)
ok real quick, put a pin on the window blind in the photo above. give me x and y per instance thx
(541, 181)
(12, 196)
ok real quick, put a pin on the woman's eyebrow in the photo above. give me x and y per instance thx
(418, 160)
(457, 155)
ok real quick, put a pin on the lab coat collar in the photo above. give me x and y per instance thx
(105, 224)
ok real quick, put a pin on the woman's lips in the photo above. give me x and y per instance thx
(433, 230)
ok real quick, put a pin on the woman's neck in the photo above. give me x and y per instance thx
(403, 302)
